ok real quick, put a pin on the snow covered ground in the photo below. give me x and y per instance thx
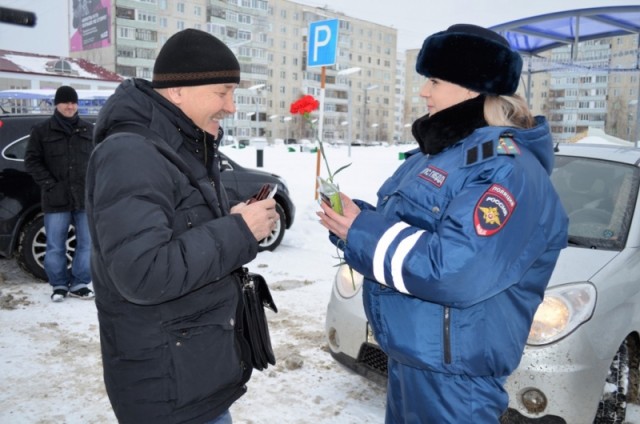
(50, 368)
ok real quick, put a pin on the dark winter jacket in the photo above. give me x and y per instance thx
(460, 247)
(163, 263)
(57, 155)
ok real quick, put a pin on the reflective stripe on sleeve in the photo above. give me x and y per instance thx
(402, 251)
(381, 250)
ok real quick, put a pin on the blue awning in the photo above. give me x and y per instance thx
(544, 32)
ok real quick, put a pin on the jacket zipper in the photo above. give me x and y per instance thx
(447, 335)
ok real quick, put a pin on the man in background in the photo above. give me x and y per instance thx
(57, 156)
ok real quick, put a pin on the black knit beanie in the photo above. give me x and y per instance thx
(65, 94)
(193, 57)
(473, 57)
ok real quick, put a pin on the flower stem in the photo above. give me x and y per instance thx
(326, 162)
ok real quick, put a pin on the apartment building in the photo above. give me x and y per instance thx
(372, 92)
(592, 86)
(269, 38)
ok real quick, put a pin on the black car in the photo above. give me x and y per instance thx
(21, 219)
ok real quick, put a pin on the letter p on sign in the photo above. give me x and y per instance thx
(323, 39)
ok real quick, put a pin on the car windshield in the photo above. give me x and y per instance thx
(599, 197)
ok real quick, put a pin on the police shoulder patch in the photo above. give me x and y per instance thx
(507, 146)
(493, 210)
(435, 176)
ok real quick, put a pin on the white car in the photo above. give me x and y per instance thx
(582, 359)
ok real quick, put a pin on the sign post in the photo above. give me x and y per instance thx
(322, 49)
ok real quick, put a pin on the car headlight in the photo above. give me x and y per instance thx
(348, 281)
(563, 309)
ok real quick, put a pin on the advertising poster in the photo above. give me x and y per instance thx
(90, 24)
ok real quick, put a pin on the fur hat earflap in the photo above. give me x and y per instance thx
(473, 57)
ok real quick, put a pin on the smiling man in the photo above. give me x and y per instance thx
(166, 243)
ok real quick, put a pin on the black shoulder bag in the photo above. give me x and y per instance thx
(257, 296)
(255, 291)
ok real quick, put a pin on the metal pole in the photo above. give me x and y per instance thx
(636, 142)
(349, 118)
(364, 108)
(255, 100)
(323, 74)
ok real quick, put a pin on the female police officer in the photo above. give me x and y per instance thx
(460, 247)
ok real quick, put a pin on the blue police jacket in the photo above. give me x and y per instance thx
(459, 250)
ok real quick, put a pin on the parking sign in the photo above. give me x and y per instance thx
(323, 41)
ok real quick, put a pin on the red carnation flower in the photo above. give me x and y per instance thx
(304, 105)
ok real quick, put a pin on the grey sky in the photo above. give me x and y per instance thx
(414, 19)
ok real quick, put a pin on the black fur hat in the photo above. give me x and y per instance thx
(193, 57)
(473, 57)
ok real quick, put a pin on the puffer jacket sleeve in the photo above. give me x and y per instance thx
(452, 264)
(154, 234)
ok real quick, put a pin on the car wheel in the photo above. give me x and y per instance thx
(33, 244)
(273, 240)
(613, 404)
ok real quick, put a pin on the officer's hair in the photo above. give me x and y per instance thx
(508, 111)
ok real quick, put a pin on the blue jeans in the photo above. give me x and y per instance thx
(56, 226)
(224, 418)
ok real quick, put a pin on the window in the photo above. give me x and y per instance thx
(126, 33)
(143, 16)
(125, 13)
(244, 19)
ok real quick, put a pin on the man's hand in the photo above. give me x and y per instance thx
(261, 216)
(336, 223)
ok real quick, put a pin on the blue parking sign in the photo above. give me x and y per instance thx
(323, 41)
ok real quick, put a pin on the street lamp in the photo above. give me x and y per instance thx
(271, 118)
(257, 89)
(376, 131)
(344, 123)
(406, 127)
(345, 72)
(364, 109)
(286, 120)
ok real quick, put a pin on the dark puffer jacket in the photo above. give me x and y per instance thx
(163, 263)
(57, 158)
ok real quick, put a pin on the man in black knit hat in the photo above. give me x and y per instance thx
(57, 157)
(166, 243)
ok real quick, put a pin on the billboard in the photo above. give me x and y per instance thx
(90, 24)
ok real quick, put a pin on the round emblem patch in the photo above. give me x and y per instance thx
(493, 210)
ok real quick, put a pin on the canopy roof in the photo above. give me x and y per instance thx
(544, 32)
(49, 94)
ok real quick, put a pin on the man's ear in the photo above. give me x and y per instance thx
(175, 95)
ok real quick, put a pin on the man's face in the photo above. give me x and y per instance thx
(207, 105)
(67, 109)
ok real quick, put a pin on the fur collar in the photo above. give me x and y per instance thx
(447, 127)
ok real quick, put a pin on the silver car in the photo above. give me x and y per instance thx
(582, 359)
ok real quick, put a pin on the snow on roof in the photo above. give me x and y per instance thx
(20, 62)
(598, 136)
